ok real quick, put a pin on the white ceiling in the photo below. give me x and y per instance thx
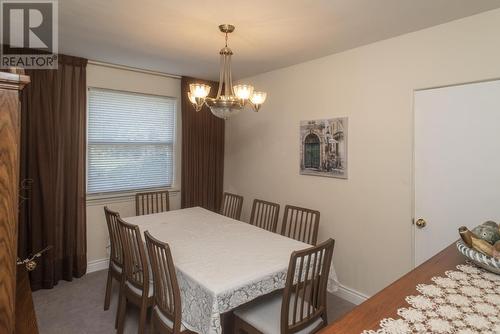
(181, 36)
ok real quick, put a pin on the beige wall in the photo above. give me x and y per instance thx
(120, 79)
(369, 214)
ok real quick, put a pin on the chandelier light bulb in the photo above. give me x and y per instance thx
(199, 90)
(192, 98)
(258, 97)
(243, 91)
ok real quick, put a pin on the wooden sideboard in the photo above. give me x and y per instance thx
(10, 86)
(385, 304)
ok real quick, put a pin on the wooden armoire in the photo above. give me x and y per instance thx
(11, 85)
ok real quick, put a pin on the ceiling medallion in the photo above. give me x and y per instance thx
(234, 98)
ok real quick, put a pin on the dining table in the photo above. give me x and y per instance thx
(221, 263)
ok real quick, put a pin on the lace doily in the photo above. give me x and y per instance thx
(466, 301)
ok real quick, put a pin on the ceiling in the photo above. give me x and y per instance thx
(181, 36)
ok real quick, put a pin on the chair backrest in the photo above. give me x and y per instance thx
(151, 202)
(300, 224)
(231, 206)
(114, 236)
(134, 256)
(304, 297)
(265, 215)
(166, 289)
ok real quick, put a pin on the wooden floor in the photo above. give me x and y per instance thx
(77, 308)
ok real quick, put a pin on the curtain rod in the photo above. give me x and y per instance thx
(133, 69)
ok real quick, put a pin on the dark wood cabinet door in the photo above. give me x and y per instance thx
(10, 86)
(25, 310)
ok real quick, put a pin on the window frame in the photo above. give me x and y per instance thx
(129, 193)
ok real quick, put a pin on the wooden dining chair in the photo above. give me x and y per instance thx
(166, 316)
(300, 224)
(301, 308)
(231, 205)
(115, 269)
(151, 202)
(136, 288)
(265, 215)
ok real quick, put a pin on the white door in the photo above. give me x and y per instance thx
(457, 162)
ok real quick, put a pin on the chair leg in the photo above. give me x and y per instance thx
(227, 322)
(143, 315)
(107, 298)
(120, 301)
(237, 326)
(122, 309)
(241, 327)
(152, 326)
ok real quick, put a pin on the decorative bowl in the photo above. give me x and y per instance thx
(482, 260)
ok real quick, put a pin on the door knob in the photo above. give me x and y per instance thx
(421, 223)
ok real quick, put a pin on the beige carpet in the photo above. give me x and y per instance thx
(77, 308)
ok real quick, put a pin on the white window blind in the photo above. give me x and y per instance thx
(130, 141)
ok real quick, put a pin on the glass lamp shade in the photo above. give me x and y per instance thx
(258, 97)
(191, 98)
(243, 91)
(224, 106)
(224, 112)
(199, 90)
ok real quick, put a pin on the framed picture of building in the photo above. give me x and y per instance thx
(323, 147)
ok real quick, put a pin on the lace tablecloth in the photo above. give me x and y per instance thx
(466, 301)
(221, 263)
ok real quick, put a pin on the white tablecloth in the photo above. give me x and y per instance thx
(221, 263)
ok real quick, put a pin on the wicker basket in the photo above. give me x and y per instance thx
(482, 260)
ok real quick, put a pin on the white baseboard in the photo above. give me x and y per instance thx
(350, 295)
(97, 265)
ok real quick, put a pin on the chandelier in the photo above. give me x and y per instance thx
(230, 99)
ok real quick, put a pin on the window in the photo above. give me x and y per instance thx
(130, 141)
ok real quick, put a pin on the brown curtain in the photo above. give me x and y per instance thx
(202, 153)
(53, 154)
